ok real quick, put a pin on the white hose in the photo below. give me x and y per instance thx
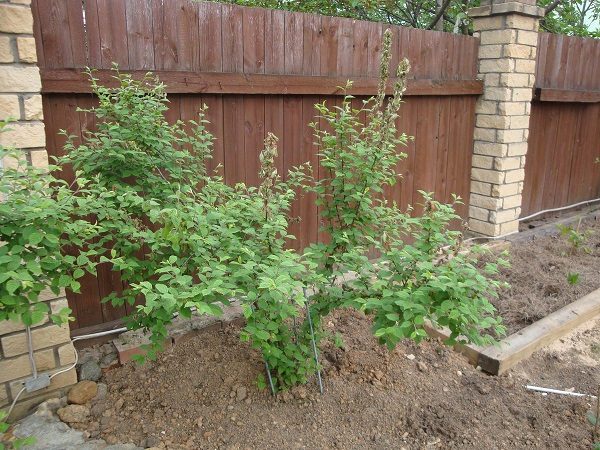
(556, 391)
(562, 208)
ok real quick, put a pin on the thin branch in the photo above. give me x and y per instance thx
(552, 6)
(439, 14)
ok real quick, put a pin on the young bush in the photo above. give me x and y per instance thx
(421, 274)
(153, 223)
(271, 278)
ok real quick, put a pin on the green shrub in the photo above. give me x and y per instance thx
(154, 224)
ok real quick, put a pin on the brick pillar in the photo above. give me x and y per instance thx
(507, 56)
(20, 100)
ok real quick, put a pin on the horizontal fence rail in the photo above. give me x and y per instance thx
(258, 71)
(179, 82)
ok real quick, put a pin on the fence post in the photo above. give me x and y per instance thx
(507, 57)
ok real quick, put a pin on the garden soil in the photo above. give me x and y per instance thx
(202, 394)
(538, 276)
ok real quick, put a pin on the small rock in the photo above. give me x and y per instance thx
(459, 373)
(241, 393)
(51, 404)
(89, 354)
(300, 393)
(152, 441)
(108, 348)
(109, 361)
(422, 366)
(82, 392)
(74, 413)
(90, 371)
(483, 389)
(44, 412)
(410, 356)
(119, 404)
(199, 422)
(98, 409)
(378, 374)
(102, 392)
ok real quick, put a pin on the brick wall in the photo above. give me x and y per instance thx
(20, 100)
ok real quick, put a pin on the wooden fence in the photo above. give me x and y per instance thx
(257, 70)
(564, 131)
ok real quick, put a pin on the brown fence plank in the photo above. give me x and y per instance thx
(60, 24)
(312, 41)
(253, 25)
(294, 43)
(233, 138)
(444, 129)
(274, 124)
(254, 136)
(274, 42)
(408, 124)
(292, 138)
(111, 23)
(140, 34)
(232, 41)
(210, 33)
(214, 115)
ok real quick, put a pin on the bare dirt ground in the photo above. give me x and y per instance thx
(538, 276)
(202, 394)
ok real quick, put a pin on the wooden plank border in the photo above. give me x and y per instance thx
(498, 359)
(566, 95)
(180, 82)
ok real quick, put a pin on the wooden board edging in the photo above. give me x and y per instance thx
(68, 81)
(497, 359)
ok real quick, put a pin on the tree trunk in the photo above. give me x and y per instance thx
(439, 26)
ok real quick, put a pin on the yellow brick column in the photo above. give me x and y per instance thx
(20, 100)
(508, 32)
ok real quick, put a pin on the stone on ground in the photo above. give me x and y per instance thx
(82, 392)
(74, 413)
(90, 370)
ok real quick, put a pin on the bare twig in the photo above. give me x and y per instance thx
(552, 6)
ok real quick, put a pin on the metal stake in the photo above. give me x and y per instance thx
(269, 376)
(314, 344)
(295, 330)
